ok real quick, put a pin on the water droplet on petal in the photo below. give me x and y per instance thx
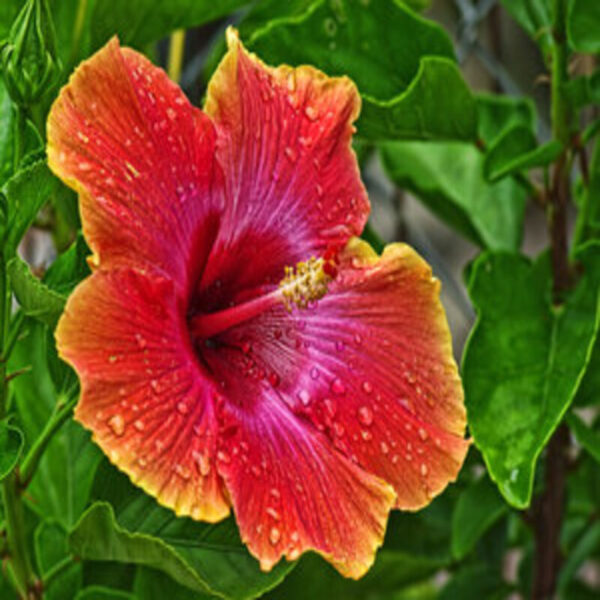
(274, 535)
(117, 424)
(339, 345)
(366, 435)
(223, 457)
(291, 153)
(338, 387)
(182, 408)
(311, 113)
(423, 434)
(139, 425)
(338, 429)
(314, 373)
(330, 407)
(142, 462)
(365, 415)
(304, 397)
(367, 387)
(182, 471)
(273, 513)
(424, 469)
(202, 462)
(384, 448)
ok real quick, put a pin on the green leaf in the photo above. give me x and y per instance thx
(126, 525)
(26, 192)
(517, 150)
(11, 446)
(588, 544)
(474, 583)
(497, 114)
(584, 90)
(402, 64)
(583, 25)
(415, 547)
(69, 268)
(535, 16)
(98, 592)
(36, 299)
(51, 549)
(586, 436)
(62, 483)
(524, 361)
(476, 510)
(448, 178)
(139, 22)
(151, 584)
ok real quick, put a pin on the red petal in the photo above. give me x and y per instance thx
(149, 406)
(370, 366)
(291, 176)
(141, 157)
(292, 492)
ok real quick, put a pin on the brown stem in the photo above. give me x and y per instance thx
(548, 516)
(557, 217)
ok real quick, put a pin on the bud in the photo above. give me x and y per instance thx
(30, 64)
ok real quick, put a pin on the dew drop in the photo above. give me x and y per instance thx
(274, 535)
(273, 513)
(384, 448)
(330, 407)
(141, 340)
(275, 493)
(255, 470)
(358, 339)
(182, 408)
(117, 424)
(423, 434)
(314, 373)
(304, 397)
(366, 435)
(202, 462)
(338, 387)
(223, 457)
(339, 345)
(182, 471)
(295, 537)
(112, 359)
(424, 469)
(139, 425)
(142, 462)
(291, 153)
(338, 429)
(365, 415)
(367, 387)
(311, 113)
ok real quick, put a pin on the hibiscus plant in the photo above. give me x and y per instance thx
(223, 376)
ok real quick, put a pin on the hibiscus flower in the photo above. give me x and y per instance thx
(237, 345)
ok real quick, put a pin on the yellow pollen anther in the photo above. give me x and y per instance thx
(306, 283)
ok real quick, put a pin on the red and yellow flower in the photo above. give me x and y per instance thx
(237, 345)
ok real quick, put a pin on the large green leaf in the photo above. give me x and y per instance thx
(475, 582)
(126, 525)
(586, 436)
(583, 25)
(11, 445)
(524, 361)
(61, 486)
(535, 16)
(26, 192)
(139, 22)
(52, 550)
(416, 546)
(448, 178)
(476, 510)
(498, 114)
(36, 299)
(402, 64)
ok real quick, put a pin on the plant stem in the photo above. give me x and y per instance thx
(19, 147)
(547, 514)
(176, 48)
(31, 461)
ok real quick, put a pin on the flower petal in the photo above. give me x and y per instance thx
(149, 406)
(141, 157)
(292, 492)
(370, 366)
(292, 180)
